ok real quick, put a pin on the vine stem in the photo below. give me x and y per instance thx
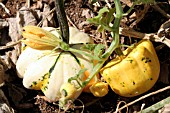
(114, 44)
(82, 52)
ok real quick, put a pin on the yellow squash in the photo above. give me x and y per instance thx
(134, 73)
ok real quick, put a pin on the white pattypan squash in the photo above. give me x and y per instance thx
(49, 70)
(28, 56)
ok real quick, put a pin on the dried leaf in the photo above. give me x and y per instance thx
(49, 21)
(2, 73)
(127, 2)
(86, 13)
(16, 93)
(3, 98)
(24, 17)
(164, 30)
(4, 108)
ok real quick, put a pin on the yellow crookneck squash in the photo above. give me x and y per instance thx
(48, 70)
(134, 73)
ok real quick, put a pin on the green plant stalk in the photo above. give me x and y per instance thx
(157, 106)
(64, 46)
(61, 16)
(114, 44)
(82, 52)
(112, 47)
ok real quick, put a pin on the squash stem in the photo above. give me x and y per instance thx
(84, 53)
(61, 16)
(115, 29)
(114, 44)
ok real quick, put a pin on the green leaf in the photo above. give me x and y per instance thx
(103, 19)
(89, 47)
(95, 49)
(77, 77)
(98, 50)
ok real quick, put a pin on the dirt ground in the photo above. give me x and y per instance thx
(143, 18)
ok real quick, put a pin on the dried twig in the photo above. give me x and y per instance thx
(6, 10)
(104, 39)
(141, 98)
(153, 37)
(157, 8)
(107, 2)
(28, 2)
(45, 17)
(69, 20)
(141, 15)
(12, 44)
(127, 2)
(119, 105)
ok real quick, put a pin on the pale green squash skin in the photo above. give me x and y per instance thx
(135, 73)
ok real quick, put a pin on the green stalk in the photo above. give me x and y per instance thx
(82, 52)
(61, 16)
(114, 44)
(157, 106)
(115, 33)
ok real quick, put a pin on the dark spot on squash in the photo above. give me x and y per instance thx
(109, 80)
(146, 60)
(43, 77)
(45, 88)
(34, 83)
(130, 61)
(123, 84)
